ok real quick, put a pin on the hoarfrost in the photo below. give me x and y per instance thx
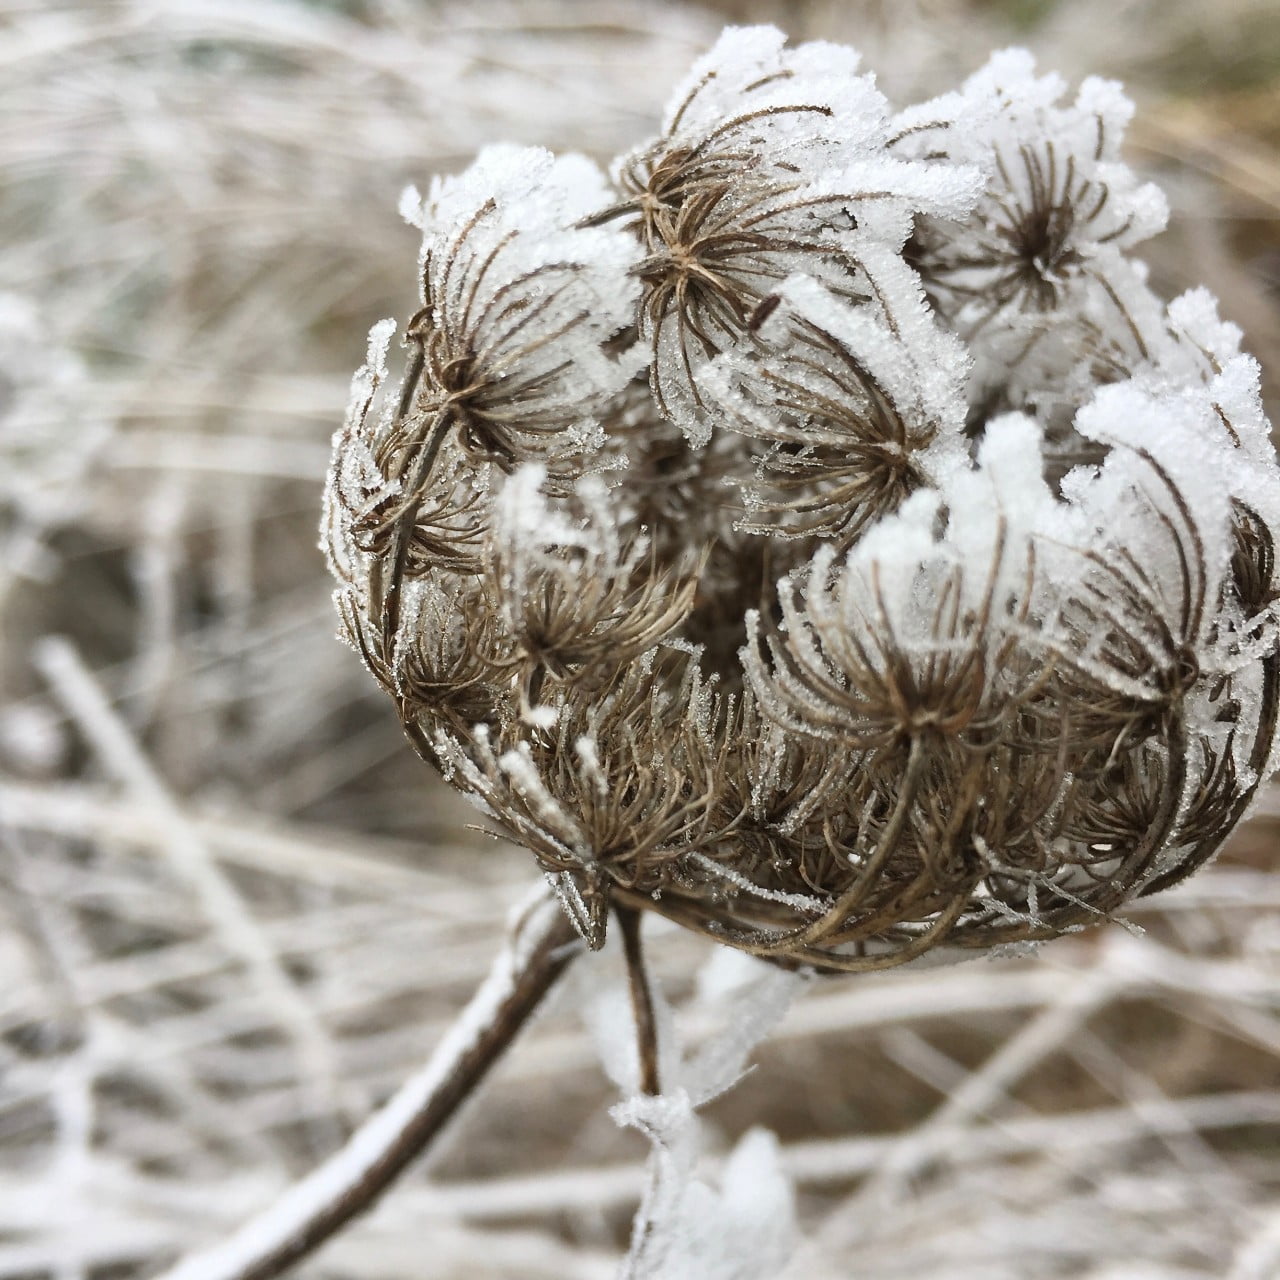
(686, 1227)
(926, 599)
(718, 230)
(1039, 268)
(520, 300)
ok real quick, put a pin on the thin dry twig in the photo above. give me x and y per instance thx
(349, 1183)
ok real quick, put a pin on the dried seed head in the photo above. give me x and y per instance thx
(511, 287)
(574, 593)
(1059, 210)
(838, 594)
(856, 407)
(768, 159)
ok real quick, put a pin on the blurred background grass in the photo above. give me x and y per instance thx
(235, 911)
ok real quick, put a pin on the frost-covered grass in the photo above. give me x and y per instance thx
(236, 914)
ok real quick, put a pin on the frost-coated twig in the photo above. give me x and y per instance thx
(351, 1181)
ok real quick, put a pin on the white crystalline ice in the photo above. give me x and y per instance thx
(1001, 520)
(1194, 317)
(1236, 396)
(410, 207)
(885, 192)
(1050, 600)
(605, 1009)
(532, 192)
(1045, 244)
(771, 160)
(873, 386)
(1009, 80)
(746, 1010)
(1151, 531)
(535, 540)
(921, 368)
(750, 73)
(744, 1230)
(1006, 107)
(1168, 471)
(518, 766)
(805, 111)
(588, 753)
(960, 573)
(1002, 512)
(524, 521)
(687, 1226)
(523, 297)
(355, 483)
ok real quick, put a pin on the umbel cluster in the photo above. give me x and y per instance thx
(817, 530)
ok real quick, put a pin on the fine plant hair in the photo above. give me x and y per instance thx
(818, 533)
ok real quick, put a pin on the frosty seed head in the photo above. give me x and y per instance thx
(823, 537)
(768, 158)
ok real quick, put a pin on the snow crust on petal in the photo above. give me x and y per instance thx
(524, 300)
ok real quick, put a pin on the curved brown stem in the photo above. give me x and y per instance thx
(629, 921)
(431, 445)
(351, 1180)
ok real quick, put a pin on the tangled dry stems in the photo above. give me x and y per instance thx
(1156, 1156)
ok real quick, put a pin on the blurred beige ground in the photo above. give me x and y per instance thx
(235, 911)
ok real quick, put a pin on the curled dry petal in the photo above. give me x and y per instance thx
(824, 536)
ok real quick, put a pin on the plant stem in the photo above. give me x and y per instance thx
(641, 999)
(540, 949)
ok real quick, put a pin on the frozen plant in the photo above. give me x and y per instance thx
(945, 614)
(817, 532)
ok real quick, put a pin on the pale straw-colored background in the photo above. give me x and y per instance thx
(235, 911)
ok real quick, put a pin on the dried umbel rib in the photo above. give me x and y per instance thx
(822, 536)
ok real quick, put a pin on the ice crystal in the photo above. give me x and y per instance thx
(769, 157)
(686, 1227)
(820, 532)
(1059, 208)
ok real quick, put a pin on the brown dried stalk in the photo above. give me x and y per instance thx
(349, 1183)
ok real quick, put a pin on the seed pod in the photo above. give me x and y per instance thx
(948, 615)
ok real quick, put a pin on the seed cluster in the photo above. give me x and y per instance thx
(818, 532)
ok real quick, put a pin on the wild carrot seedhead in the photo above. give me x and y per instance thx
(821, 534)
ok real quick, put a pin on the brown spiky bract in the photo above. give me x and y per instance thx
(837, 599)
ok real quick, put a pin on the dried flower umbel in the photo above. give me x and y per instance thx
(817, 533)
(822, 535)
